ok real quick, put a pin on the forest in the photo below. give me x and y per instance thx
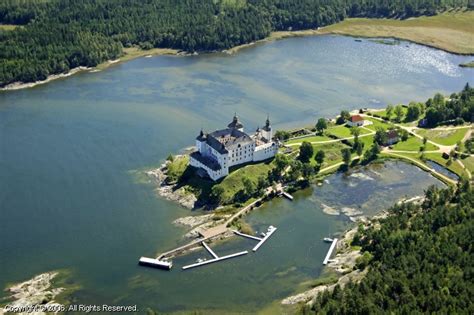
(54, 36)
(420, 260)
(457, 109)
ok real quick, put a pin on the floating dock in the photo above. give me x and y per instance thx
(248, 236)
(271, 230)
(287, 195)
(214, 260)
(333, 245)
(152, 262)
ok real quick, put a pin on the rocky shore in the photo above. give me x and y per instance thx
(343, 264)
(170, 191)
(33, 296)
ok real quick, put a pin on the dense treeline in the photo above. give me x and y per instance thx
(459, 108)
(57, 35)
(420, 260)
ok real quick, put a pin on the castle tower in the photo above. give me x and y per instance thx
(236, 124)
(267, 132)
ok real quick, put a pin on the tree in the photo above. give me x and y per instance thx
(404, 135)
(389, 111)
(355, 132)
(380, 136)
(216, 195)
(346, 156)
(281, 162)
(425, 140)
(306, 152)
(282, 135)
(249, 187)
(319, 157)
(321, 125)
(398, 113)
(413, 112)
(359, 148)
(343, 117)
(307, 170)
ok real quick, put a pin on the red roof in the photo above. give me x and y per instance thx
(356, 118)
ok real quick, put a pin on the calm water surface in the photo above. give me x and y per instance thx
(70, 152)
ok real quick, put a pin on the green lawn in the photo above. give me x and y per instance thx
(177, 167)
(343, 131)
(469, 163)
(332, 151)
(443, 137)
(377, 123)
(233, 182)
(413, 144)
(308, 139)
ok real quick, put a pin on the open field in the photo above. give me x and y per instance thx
(377, 123)
(308, 139)
(332, 151)
(451, 31)
(443, 137)
(469, 163)
(8, 27)
(413, 144)
(343, 131)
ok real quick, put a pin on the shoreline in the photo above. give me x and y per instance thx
(333, 29)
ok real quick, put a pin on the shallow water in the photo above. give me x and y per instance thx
(70, 151)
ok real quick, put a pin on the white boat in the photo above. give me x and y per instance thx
(327, 239)
(263, 234)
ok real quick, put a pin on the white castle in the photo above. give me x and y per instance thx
(221, 149)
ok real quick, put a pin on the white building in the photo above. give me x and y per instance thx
(219, 150)
(356, 121)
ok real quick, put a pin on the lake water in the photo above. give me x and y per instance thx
(70, 152)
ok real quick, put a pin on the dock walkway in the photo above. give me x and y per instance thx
(333, 245)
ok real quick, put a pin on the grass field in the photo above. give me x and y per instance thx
(308, 139)
(233, 182)
(8, 27)
(343, 131)
(443, 137)
(469, 163)
(332, 151)
(413, 144)
(451, 31)
(377, 123)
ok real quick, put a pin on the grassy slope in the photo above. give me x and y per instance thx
(444, 137)
(452, 31)
(413, 144)
(233, 182)
(377, 123)
(344, 131)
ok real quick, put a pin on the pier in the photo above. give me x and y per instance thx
(206, 262)
(151, 262)
(210, 250)
(271, 230)
(333, 245)
(287, 195)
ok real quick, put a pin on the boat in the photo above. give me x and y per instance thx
(263, 234)
(327, 239)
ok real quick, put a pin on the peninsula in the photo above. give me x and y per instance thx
(428, 135)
